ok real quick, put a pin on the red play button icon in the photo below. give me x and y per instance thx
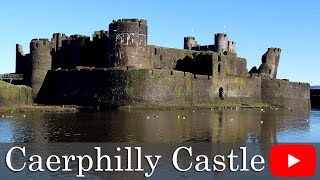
(293, 160)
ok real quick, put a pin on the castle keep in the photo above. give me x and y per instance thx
(118, 68)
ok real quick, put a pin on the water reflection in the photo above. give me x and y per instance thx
(244, 125)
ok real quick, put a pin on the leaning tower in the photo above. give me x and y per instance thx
(270, 62)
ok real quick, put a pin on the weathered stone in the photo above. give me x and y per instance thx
(270, 63)
(118, 68)
(14, 95)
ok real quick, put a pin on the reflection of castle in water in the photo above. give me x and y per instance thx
(200, 126)
(224, 126)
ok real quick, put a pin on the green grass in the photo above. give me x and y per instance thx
(198, 106)
(41, 108)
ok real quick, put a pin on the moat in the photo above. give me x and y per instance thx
(241, 126)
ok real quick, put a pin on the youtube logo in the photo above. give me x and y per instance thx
(293, 160)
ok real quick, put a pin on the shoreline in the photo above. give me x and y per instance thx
(195, 107)
(41, 108)
(74, 108)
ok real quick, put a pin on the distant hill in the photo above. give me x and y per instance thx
(315, 87)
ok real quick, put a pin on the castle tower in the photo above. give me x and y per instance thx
(80, 53)
(190, 42)
(221, 42)
(129, 44)
(41, 63)
(20, 58)
(56, 44)
(101, 45)
(23, 65)
(270, 63)
(232, 46)
(56, 40)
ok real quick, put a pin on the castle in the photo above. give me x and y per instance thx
(119, 68)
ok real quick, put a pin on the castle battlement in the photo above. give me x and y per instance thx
(58, 35)
(222, 35)
(35, 43)
(276, 50)
(142, 21)
(79, 37)
(100, 34)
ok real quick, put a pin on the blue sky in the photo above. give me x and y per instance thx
(292, 25)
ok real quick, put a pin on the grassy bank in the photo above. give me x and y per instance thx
(200, 106)
(70, 108)
(14, 95)
(41, 109)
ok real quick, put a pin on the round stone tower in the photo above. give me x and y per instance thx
(129, 44)
(41, 63)
(190, 42)
(221, 42)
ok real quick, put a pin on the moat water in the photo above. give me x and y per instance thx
(243, 126)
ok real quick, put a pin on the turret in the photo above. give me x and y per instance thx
(270, 63)
(221, 42)
(41, 63)
(129, 43)
(190, 42)
(232, 46)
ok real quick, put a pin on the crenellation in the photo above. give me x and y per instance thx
(35, 43)
(140, 21)
(100, 34)
(274, 50)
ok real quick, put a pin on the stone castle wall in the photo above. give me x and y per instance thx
(144, 87)
(152, 88)
(285, 94)
(197, 62)
(166, 58)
